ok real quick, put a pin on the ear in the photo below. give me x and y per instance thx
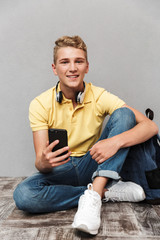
(87, 67)
(54, 69)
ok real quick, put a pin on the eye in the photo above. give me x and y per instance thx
(79, 61)
(64, 62)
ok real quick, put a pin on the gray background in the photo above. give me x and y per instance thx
(123, 38)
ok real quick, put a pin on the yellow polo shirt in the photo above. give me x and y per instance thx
(83, 124)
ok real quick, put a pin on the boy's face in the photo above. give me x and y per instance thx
(71, 67)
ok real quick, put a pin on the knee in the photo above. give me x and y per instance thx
(124, 117)
(22, 197)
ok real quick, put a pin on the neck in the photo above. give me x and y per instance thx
(71, 92)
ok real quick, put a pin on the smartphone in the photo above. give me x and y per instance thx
(58, 134)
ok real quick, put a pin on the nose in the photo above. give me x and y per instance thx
(72, 67)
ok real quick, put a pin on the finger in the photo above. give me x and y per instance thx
(100, 161)
(60, 151)
(60, 158)
(53, 156)
(94, 146)
(60, 163)
(52, 145)
(47, 144)
(95, 156)
(92, 151)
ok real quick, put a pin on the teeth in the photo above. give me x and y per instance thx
(73, 76)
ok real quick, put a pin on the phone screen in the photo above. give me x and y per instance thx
(58, 134)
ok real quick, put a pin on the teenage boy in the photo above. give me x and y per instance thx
(89, 172)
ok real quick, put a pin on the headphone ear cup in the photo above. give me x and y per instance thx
(59, 96)
(80, 97)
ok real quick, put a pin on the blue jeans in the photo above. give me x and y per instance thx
(140, 159)
(61, 188)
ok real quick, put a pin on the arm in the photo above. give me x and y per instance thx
(144, 129)
(45, 158)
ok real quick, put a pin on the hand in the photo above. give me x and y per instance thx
(104, 149)
(51, 159)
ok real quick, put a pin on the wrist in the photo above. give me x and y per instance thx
(119, 141)
(39, 164)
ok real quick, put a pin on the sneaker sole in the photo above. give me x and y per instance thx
(84, 228)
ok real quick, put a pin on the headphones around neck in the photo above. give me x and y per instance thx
(79, 95)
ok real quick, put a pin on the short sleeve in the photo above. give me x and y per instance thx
(107, 103)
(38, 115)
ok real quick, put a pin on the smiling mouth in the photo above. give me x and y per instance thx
(72, 76)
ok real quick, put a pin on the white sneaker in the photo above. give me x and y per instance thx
(124, 192)
(87, 217)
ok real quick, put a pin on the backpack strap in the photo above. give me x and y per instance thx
(149, 113)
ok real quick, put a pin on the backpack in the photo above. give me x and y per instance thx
(142, 166)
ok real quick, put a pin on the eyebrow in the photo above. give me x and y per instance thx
(62, 59)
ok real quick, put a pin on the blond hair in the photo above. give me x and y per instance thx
(67, 41)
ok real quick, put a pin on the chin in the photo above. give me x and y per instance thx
(75, 83)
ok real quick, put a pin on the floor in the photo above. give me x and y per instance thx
(120, 221)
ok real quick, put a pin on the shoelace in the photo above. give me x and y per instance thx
(114, 199)
(89, 202)
(117, 192)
